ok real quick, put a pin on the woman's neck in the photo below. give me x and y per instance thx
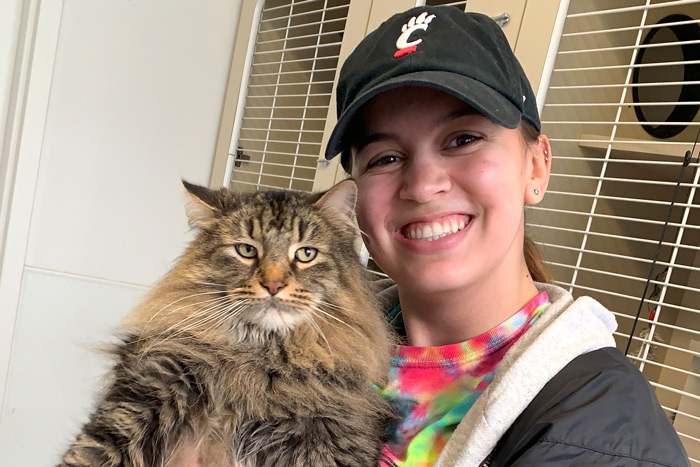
(449, 317)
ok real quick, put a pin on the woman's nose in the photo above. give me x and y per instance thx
(424, 177)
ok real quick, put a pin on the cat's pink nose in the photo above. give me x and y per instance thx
(273, 286)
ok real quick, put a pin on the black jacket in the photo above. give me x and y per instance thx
(597, 411)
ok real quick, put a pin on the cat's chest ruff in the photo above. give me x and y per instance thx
(271, 382)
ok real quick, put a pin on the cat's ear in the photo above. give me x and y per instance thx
(201, 204)
(340, 201)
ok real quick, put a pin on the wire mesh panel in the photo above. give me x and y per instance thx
(288, 94)
(619, 193)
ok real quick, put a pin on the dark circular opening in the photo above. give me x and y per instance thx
(675, 100)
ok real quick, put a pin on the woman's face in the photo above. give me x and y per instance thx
(441, 190)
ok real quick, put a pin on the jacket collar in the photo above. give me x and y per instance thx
(564, 331)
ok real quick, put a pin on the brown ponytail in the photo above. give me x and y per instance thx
(535, 265)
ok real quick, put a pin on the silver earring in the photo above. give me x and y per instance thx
(545, 155)
(545, 152)
(537, 191)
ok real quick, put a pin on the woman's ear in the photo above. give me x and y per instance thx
(540, 163)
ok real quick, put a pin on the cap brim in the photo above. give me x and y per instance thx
(483, 98)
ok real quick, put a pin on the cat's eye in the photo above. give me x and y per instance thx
(246, 251)
(306, 254)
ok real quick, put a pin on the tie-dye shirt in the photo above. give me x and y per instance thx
(432, 388)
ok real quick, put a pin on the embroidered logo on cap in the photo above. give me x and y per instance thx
(417, 22)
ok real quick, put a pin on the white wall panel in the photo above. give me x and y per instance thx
(56, 369)
(135, 105)
(10, 12)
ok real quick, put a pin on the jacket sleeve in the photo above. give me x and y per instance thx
(598, 411)
(556, 453)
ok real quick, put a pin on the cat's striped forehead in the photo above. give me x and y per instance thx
(280, 215)
(269, 224)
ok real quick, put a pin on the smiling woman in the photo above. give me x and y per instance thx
(438, 126)
(435, 163)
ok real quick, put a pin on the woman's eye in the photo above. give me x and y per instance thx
(461, 140)
(246, 251)
(306, 254)
(383, 160)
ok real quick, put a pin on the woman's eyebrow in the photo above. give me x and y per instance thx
(380, 136)
(373, 138)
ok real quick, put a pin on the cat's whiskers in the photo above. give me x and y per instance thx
(210, 302)
(221, 319)
(217, 319)
(199, 317)
(325, 313)
(332, 305)
(308, 303)
(230, 298)
(229, 313)
(313, 324)
(207, 315)
(209, 283)
(176, 301)
(335, 307)
(219, 316)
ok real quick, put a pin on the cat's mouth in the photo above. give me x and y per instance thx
(436, 229)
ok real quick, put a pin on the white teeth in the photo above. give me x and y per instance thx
(436, 230)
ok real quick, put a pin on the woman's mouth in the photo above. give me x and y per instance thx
(435, 230)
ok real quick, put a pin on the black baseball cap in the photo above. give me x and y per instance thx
(464, 54)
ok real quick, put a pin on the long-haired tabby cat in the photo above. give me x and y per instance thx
(259, 348)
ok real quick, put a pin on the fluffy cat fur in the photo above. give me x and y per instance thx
(257, 349)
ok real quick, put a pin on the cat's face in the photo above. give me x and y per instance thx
(271, 261)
